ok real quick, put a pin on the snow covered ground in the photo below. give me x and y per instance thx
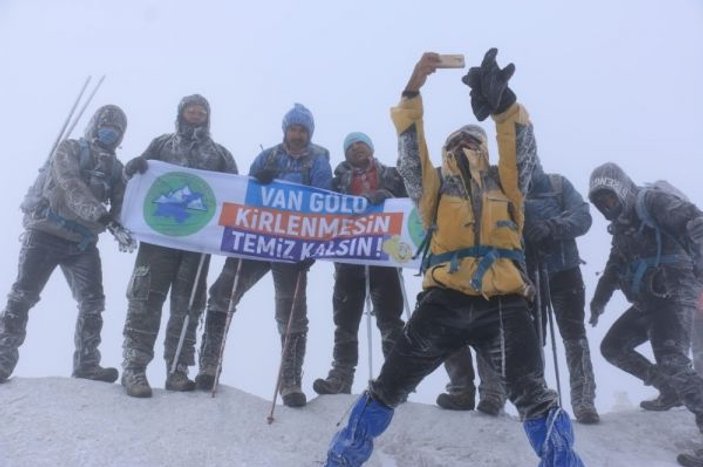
(67, 422)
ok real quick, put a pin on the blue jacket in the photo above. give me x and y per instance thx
(311, 168)
(552, 198)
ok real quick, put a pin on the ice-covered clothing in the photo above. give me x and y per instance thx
(82, 190)
(312, 168)
(158, 270)
(657, 277)
(553, 199)
(40, 254)
(478, 256)
(83, 186)
(493, 316)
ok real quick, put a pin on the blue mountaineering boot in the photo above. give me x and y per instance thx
(352, 445)
(552, 438)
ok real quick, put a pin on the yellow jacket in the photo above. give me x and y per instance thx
(476, 245)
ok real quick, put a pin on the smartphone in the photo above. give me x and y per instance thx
(451, 61)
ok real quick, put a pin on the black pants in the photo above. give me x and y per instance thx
(566, 290)
(666, 324)
(348, 308)
(446, 321)
(158, 270)
(39, 256)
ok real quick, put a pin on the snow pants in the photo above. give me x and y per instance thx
(285, 277)
(348, 307)
(666, 324)
(566, 290)
(39, 256)
(157, 271)
(446, 321)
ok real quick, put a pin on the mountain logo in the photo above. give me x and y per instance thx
(179, 204)
(415, 228)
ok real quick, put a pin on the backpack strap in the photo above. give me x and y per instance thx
(557, 183)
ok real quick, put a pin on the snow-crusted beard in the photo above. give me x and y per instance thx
(192, 132)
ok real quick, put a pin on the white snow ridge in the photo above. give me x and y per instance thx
(70, 422)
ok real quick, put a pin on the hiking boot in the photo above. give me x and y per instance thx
(135, 383)
(456, 400)
(205, 379)
(586, 415)
(691, 460)
(333, 384)
(293, 397)
(97, 373)
(178, 381)
(490, 406)
(664, 402)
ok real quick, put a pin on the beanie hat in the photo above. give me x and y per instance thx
(356, 137)
(299, 115)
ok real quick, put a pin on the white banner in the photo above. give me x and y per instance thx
(233, 215)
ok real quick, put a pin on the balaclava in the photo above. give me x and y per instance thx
(102, 126)
(610, 177)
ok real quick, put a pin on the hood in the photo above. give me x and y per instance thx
(187, 130)
(473, 162)
(610, 177)
(107, 115)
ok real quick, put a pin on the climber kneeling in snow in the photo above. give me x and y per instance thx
(475, 289)
(656, 258)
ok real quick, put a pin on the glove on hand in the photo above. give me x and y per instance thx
(136, 165)
(377, 196)
(305, 264)
(538, 232)
(124, 238)
(265, 176)
(596, 311)
(490, 93)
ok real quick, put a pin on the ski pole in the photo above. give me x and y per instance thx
(286, 343)
(62, 132)
(550, 320)
(406, 304)
(85, 104)
(369, 312)
(186, 320)
(230, 312)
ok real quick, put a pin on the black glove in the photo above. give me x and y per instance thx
(538, 232)
(596, 311)
(124, 238)
(265, 176)
(490, 93)
(377, 196)
(136, 165)
(305, 264)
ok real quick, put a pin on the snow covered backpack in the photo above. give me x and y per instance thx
(641, 265)
(35, 202)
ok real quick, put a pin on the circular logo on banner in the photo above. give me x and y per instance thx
(415, 228)
(179, 204)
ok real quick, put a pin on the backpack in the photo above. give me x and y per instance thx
(646, 217)
(34, 200)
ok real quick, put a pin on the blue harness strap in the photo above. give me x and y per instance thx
(87, 236)
(639, 267)
(488, 256)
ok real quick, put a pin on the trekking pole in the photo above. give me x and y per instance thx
(186, 320)
(85, 104)
(62, 132)
(230, 312)
(369, 312)
(406, 304)
(286, 342)
(538, 314)
(550, 320)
